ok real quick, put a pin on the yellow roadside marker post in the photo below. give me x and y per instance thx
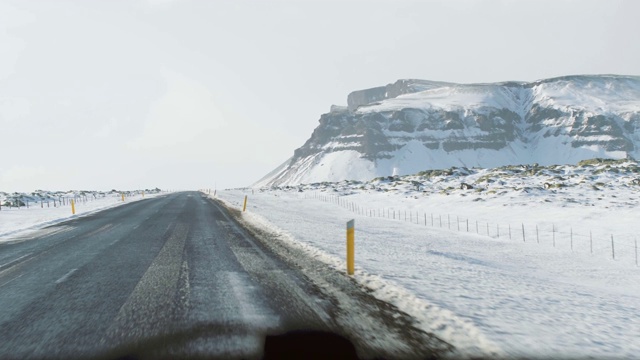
(122, 196)
(351, 247)
(244, 207)
(73, 207)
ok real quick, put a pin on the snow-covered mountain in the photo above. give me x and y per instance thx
(415, 125)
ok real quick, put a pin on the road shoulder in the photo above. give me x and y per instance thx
(377, 328)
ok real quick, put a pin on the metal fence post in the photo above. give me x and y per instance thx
(613, 250)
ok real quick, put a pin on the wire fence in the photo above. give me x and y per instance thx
(25, 202)
(619, 247)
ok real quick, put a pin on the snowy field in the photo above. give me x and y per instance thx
(486, 294)
(21, 221)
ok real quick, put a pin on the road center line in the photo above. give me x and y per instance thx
(10, 263)
(97, 231)
(66, 276)
(6, 282)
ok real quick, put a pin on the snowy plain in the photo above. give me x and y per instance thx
(22, 221)
(486, 294)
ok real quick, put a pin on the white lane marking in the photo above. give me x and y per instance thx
(66, 276)
(98, 231)
(31, 234)
(135, 227)
(5, 283)
(14, 261)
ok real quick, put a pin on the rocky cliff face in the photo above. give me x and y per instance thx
(415, 125)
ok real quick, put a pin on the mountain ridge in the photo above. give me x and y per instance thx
(413, 125)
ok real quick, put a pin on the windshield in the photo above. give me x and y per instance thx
(268, 179)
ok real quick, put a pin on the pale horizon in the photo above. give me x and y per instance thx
(182, 94)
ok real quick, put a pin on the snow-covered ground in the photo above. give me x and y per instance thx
(21, 221)
(484, 294)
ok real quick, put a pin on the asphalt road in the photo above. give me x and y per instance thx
(171, 276)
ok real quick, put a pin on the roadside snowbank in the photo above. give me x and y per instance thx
(22, 220)
(484, 295)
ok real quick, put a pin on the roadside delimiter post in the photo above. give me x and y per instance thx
(351, 247)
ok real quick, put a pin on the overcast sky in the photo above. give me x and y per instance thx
(189, 94)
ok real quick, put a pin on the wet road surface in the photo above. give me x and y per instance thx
(171, 276)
